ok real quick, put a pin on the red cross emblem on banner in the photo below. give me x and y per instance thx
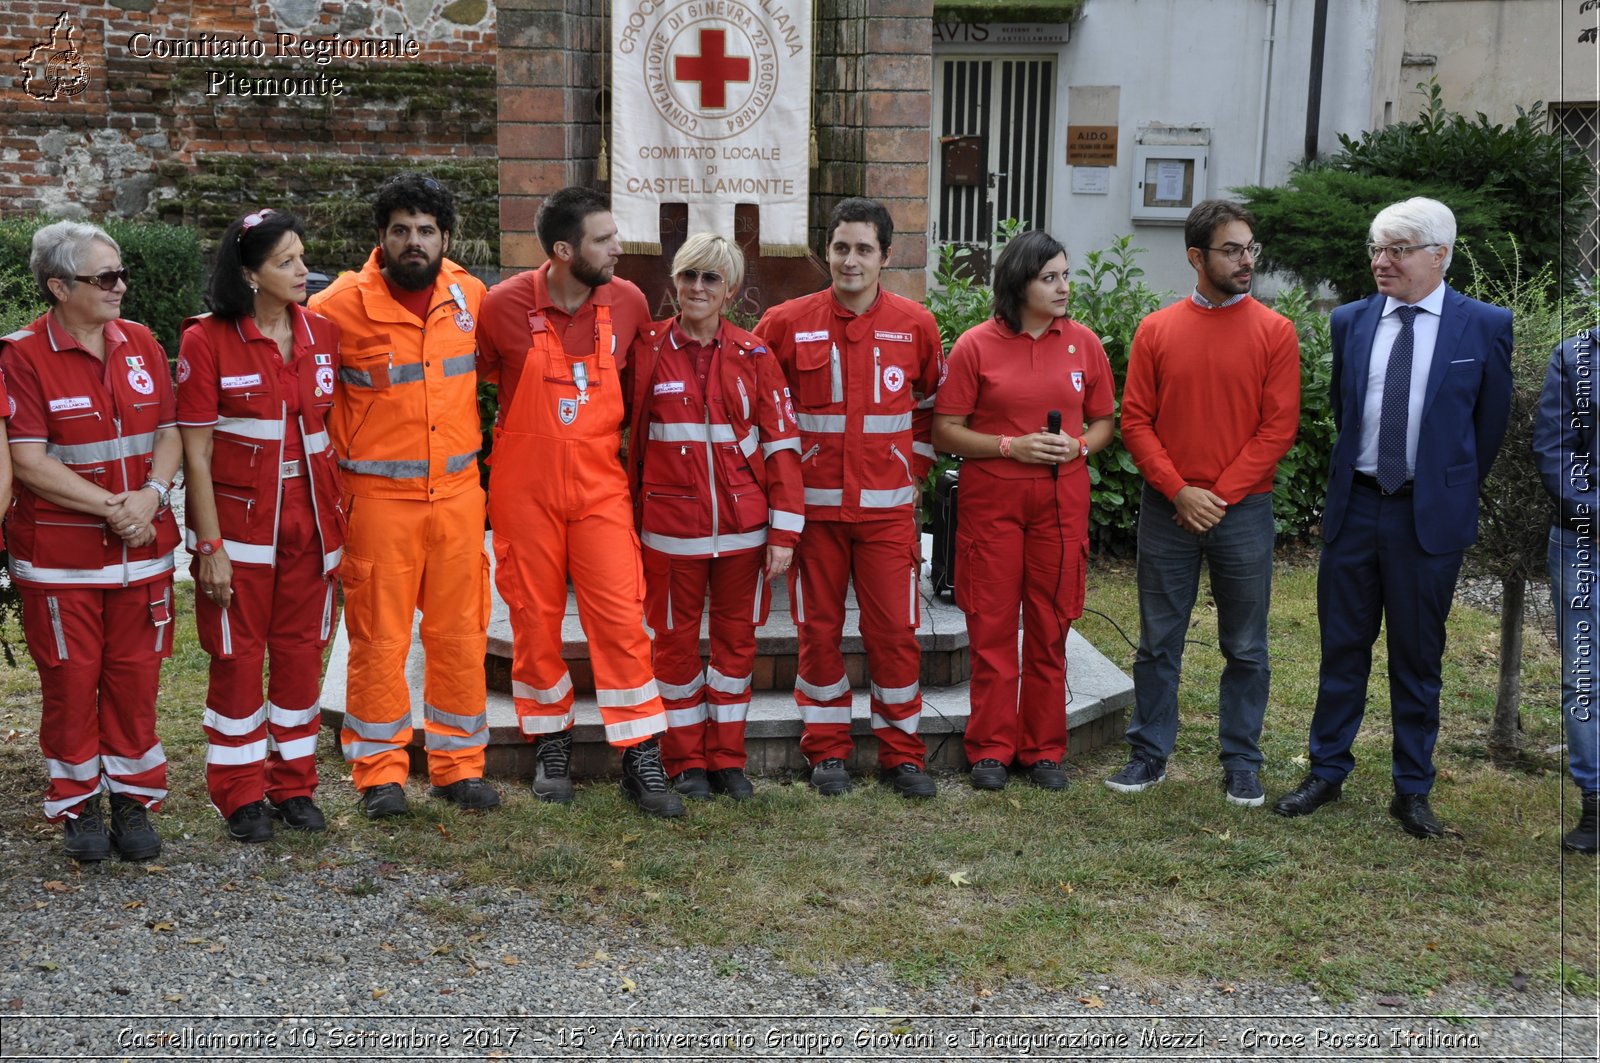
(713, 68)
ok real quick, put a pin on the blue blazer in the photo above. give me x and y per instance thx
(1464, 413)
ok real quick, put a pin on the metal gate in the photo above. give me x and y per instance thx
(995, 119)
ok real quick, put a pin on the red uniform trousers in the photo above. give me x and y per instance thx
(99, 654)
(881, 557)
(1010, 554)
(268, 748)
(402, 555)
(706, 709)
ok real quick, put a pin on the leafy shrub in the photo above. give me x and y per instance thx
(1520, 178)
(1110, 299)
(164, 261)
(1301, 485)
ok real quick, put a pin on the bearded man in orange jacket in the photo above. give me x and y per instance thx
(405, 426)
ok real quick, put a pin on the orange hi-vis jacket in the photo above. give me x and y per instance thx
(405, 415)
(864, 388)
(248, 424)
(717, 473)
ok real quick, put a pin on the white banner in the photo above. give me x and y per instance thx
(711, 106)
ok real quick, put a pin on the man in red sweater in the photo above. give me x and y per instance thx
(1211, 404)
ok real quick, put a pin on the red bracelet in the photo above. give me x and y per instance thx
(1005, 446)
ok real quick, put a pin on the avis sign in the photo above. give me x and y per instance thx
(711, 107)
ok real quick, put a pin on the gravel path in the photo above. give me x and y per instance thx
(336, 954)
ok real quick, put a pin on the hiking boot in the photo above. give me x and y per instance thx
(693, 784)
(1136, 776)
(1048, 775)
(299, 813)
(1585, 837)
(830, 777)
(989, 774)
(733, 782)
(132, 836)
(249, 824)
(471, 795)
(552, 780)
(86, 839)
(384, 801)
(1243, 788)
(644, 781)
(909, 780)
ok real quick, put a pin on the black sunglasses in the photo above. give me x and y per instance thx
(710, 276)
(107, 281)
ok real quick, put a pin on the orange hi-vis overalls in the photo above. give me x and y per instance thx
(559, 505)
(405, 425)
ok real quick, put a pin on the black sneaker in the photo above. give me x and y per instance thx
(830, 777)
(731, 781)
(989, 774)
(1048, 775)
(1137, 775)
(909, 780)
(1585, 837)
(132, 836)
(644, 781)
(552, 778)
(299, 813)
(384, 801)
(1243, 788)
(250, 824)
(693, 784)
(86, 839)
(471, 795)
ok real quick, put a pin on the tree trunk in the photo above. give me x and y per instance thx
(1505, 733)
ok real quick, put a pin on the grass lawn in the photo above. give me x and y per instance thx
(1056, 888)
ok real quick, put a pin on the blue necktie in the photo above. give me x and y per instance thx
(1396, 406)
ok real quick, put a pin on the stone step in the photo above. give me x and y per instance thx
(1096, 716)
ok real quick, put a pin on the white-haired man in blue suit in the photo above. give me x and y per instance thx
(1421, 394)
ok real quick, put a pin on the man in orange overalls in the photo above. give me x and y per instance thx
(555, 340)
(405, 426)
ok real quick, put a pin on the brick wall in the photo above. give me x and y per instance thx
(136, 140)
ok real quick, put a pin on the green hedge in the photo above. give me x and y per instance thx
(163, 260)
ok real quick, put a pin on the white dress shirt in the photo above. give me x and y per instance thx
(1425, 334)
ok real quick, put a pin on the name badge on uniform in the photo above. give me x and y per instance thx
(76, 402)
(668, 387)
(897, 337)
(567, 410)
(808, 337)
(249, 380)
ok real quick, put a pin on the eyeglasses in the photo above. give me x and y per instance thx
(106, 281)
(1235, 252)
(1396, 252)
(710, 276)
(252, 220)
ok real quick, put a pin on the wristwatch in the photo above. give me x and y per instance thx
(163, 492)
(207, 547)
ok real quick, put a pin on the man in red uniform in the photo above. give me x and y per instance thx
(405, 425)
(863, 366)
(555, 339)
(1212, 402)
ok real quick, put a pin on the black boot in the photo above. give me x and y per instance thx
(552, 777)
(644, 780)
(1585, 837)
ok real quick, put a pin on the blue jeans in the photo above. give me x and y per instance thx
(1238, 550)
(1573, 568)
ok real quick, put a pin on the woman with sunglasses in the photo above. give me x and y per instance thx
(265, 515)
(1029, 396)
(95, 446)
(714, 464)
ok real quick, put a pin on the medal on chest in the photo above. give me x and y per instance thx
(464, 320)
(138, 379)
(580, 377)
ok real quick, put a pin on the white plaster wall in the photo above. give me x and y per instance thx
(1200, 62)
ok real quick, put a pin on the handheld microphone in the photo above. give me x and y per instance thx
(1052, 424)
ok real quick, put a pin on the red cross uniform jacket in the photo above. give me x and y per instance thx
(231, 379)
(740, 432)
(864, 388)
(99, 420)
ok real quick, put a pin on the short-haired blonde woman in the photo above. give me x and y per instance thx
(714, 464)
(94, 440)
